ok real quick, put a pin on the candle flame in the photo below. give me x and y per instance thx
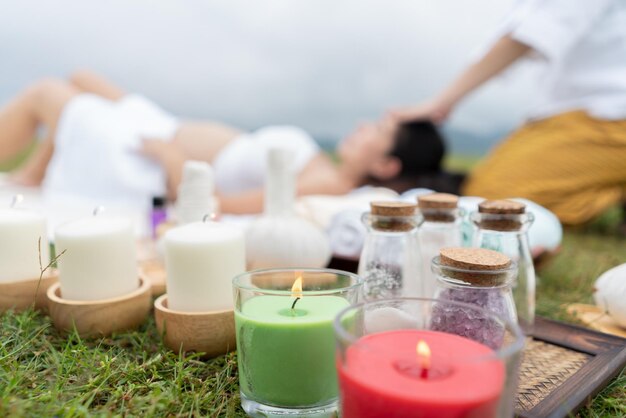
(423, 354)
(296, 289)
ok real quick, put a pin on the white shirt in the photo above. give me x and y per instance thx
(96, 154)
(241, 165)
(583, 43)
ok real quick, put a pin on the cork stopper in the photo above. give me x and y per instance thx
(502, 207)
(393, 208)
(438, 207)
(501, 215)
(481, 267)
(393, 216)
(438, 201)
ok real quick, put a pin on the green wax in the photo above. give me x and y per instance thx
(287, 358)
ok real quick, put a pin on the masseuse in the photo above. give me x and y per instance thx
(569, 155)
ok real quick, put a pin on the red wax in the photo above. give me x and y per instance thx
(376, 380)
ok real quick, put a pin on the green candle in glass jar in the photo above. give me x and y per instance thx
(287, 355)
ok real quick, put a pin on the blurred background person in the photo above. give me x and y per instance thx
(99, 139)
(569, 155)
(321, 65)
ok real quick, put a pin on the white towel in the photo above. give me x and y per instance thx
(347, 233)
(97, 151)
(341, 216)
(322, 208)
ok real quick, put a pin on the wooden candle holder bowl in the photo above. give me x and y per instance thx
(21, 294)
(100, 317)
(154, 271)
(211, 333)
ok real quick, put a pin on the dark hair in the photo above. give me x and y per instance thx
(420, 147)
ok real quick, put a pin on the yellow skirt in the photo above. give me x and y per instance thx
(572, 164)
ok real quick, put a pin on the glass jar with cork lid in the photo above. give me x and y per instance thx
(502, 225)
(441, 229)
(475, 276)
(390, 260)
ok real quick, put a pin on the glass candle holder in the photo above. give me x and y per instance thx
(392, 363)
(285, 342)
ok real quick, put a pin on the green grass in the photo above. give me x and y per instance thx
(44, 373)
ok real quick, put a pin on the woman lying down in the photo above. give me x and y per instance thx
(106, 145)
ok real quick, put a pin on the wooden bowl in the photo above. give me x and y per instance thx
(21, 294)
(211, 333)
(100, 317)
(154, 271)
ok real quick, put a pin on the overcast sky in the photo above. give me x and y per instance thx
(320, 64)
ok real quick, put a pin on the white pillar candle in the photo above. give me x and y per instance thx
(100, 259)
(201, 259)
(20, 231)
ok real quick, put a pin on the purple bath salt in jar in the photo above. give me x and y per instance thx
(475, 276)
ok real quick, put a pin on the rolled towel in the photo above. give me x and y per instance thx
(322, 208)
(347, 233)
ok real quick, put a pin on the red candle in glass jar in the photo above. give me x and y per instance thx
(383, 375)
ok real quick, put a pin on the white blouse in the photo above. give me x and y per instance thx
(241, 165)
(583, 43)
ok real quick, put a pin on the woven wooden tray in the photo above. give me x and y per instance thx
(563, 366)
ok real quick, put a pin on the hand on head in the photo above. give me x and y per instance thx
(433, 110)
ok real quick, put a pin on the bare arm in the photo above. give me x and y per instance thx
(503, 53)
